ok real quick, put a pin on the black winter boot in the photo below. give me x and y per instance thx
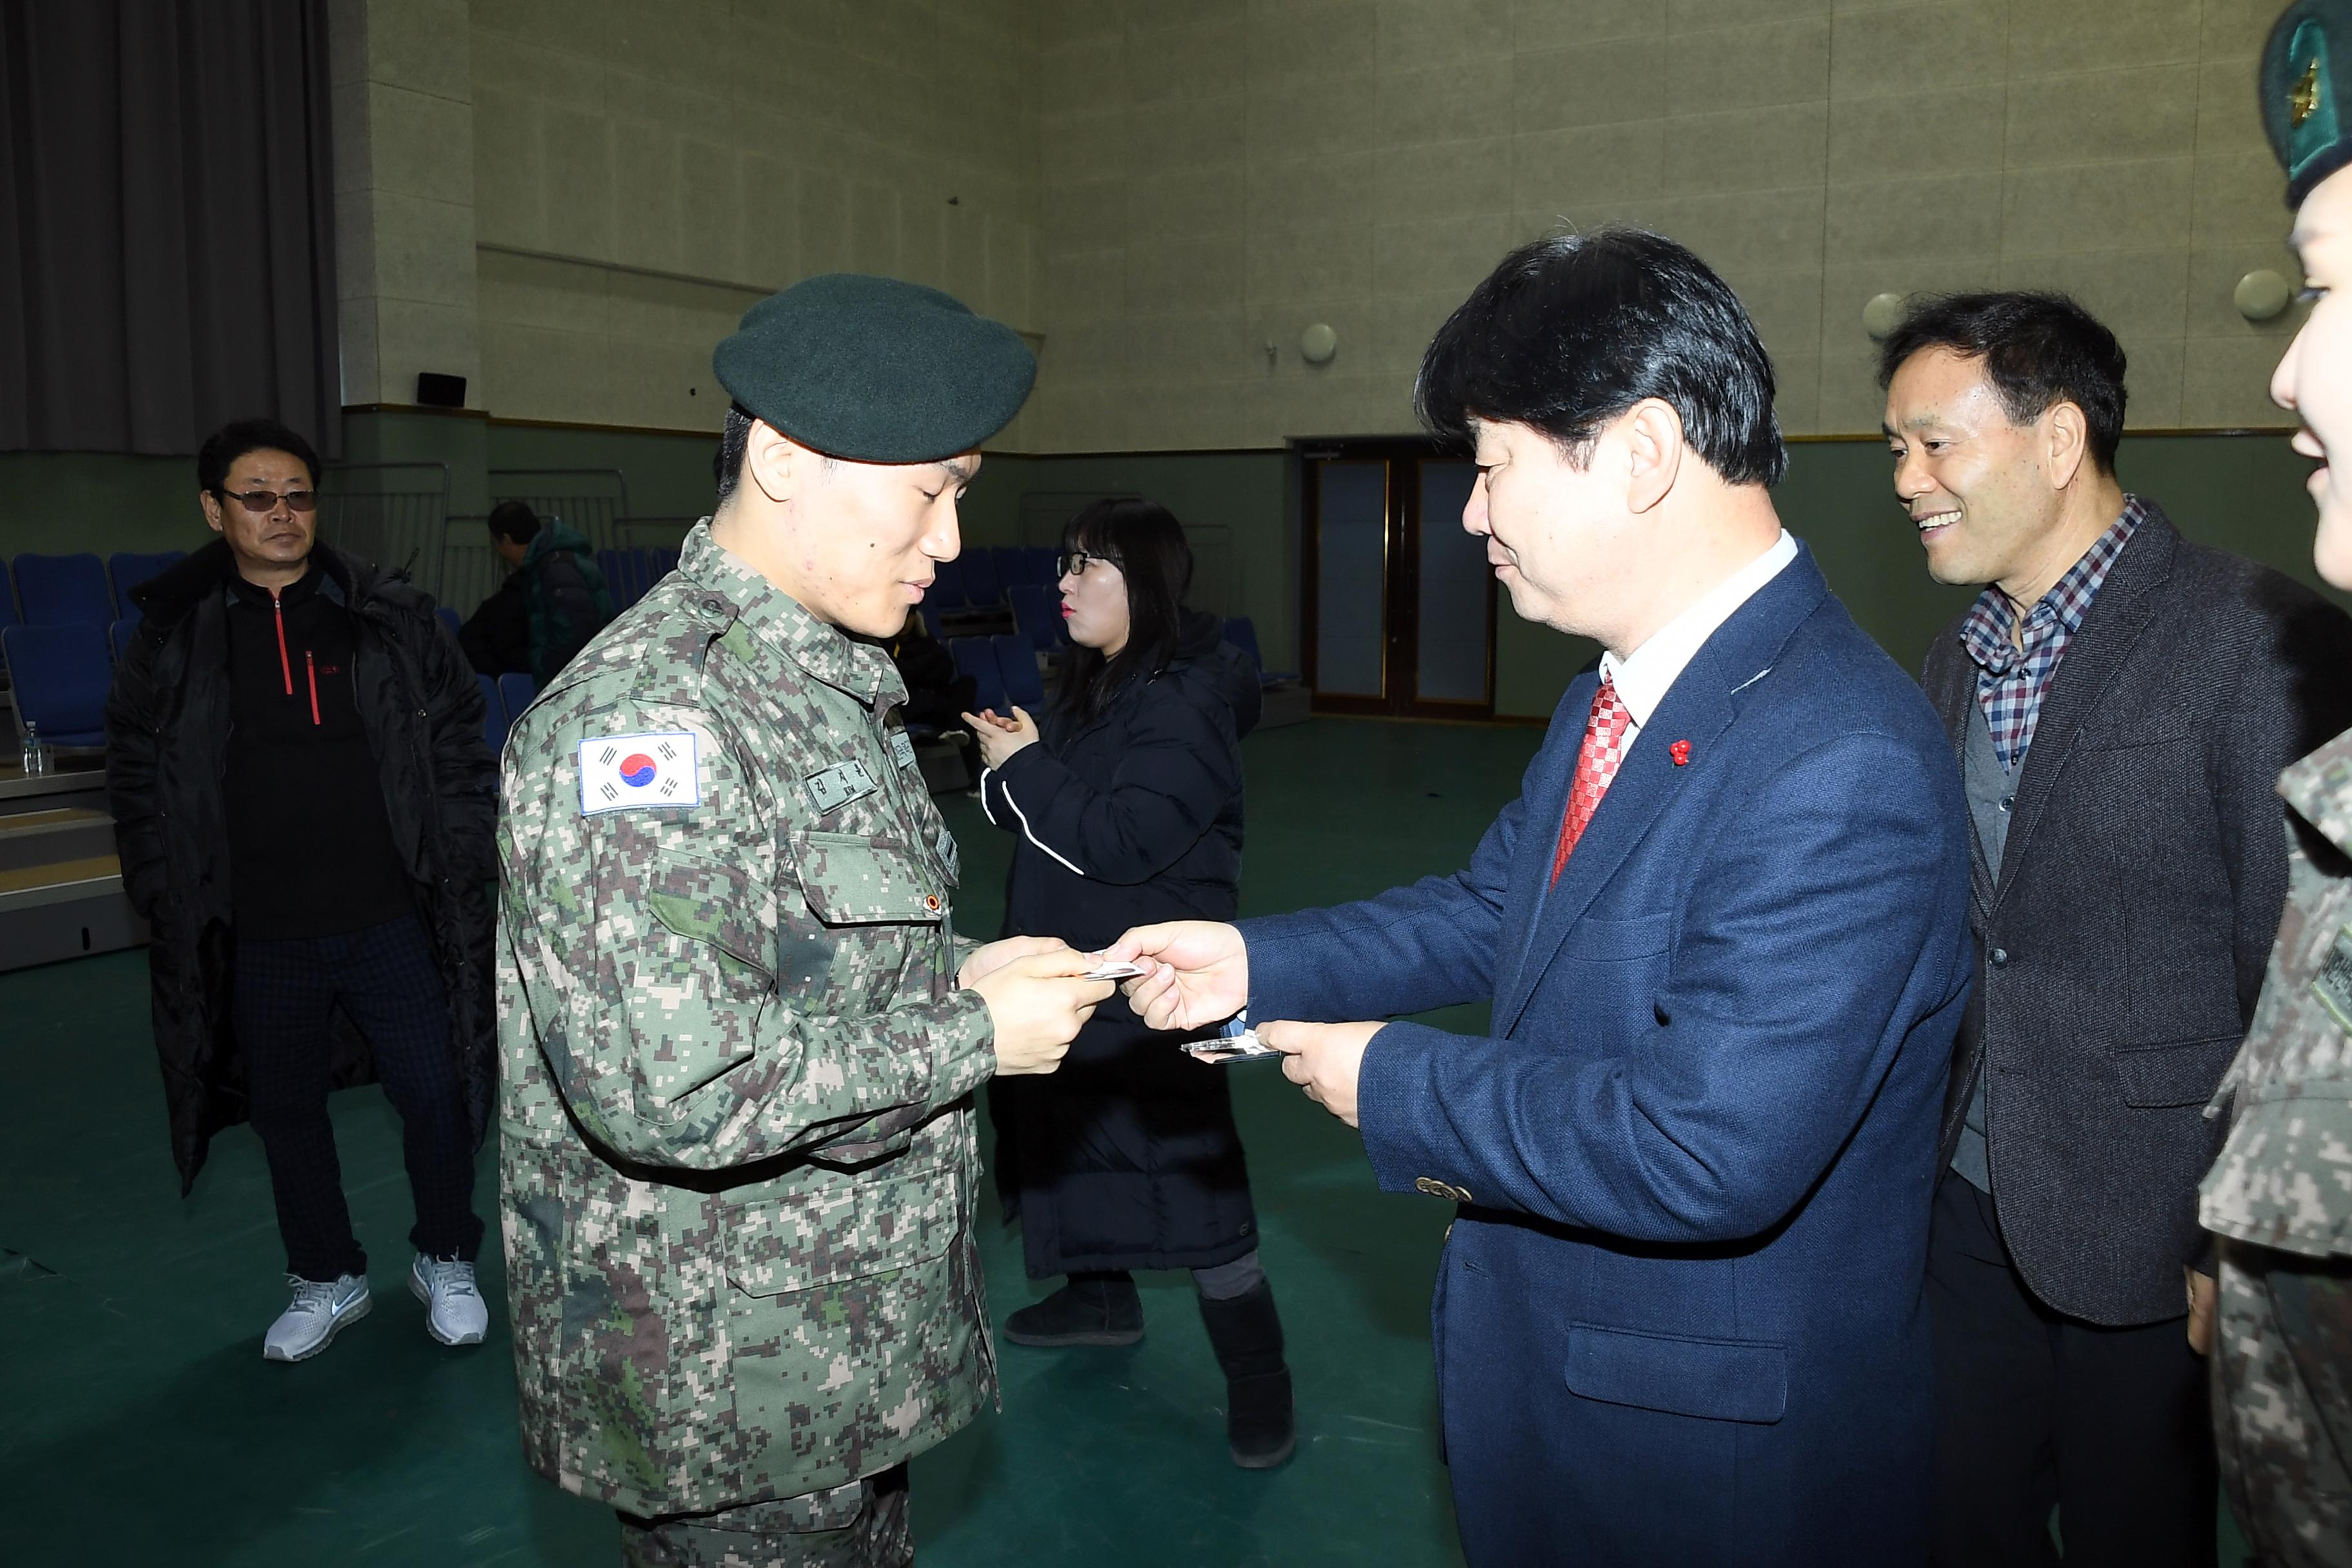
(1091, 1310)
(1248, 1337)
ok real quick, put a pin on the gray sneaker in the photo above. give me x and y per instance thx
(316, 1315)
(455, 1312)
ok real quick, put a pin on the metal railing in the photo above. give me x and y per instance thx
(393, 514)
(593, 500)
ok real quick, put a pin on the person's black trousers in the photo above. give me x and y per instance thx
(2036, 1410)
(386, 978)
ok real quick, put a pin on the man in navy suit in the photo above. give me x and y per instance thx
(1724, 932)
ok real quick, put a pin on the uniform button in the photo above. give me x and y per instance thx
(932, 903)
(714, 607)
(2000, 956)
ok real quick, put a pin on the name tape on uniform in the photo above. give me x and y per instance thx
(624, 772)
(838, 785)
(902, 748)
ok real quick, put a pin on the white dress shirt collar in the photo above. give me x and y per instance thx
(1644, 678)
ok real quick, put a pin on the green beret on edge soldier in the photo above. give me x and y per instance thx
(740, 1036)
(2280, 1197)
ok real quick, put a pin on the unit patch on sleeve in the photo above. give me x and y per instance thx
(2333, 984)
(838, 785)
(620, 773)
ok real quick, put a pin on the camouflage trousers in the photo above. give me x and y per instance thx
(861, 1525)
(2283, 1403)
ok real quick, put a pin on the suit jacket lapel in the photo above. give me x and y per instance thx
(2122, 611)
(1539, 835)
(1953, 694)
(1697, 707)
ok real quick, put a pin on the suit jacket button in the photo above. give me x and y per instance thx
(1459, 1195)
(1434, 1189)
(2000, 956)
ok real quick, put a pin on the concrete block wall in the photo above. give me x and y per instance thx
(1218, 176)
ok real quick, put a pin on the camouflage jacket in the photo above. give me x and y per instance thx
(738, 1159)
(2285, 1177)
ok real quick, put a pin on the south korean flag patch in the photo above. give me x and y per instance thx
(624, 773)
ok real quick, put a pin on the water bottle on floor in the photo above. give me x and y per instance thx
(36, 761)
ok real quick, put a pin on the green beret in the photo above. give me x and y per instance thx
(2302, 91)
(875, 370)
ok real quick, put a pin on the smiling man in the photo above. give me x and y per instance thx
(2121, 701)
(1724, 933)
(741, 1035)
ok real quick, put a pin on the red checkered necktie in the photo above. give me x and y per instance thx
(1596, 766)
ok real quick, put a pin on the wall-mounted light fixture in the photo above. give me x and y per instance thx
(1317, 343)
(1882, 315)
(2262, 296)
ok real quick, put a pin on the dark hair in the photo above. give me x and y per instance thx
(2038, 350)
(514, 519)
(1570, 332)
(233, 440)
(728, 467)
(1146, 542)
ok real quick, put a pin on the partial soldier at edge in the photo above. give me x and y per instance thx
(2280, 1197)
(740, 1037)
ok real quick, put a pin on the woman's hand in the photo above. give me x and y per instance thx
(1000, 737)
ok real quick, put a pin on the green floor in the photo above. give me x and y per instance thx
(138, 1422)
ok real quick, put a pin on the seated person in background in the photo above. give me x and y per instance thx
(553, 600)
(1129, 812)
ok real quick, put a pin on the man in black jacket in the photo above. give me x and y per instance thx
(2121, 701)
(304, 805)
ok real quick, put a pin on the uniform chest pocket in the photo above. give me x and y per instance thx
(873, 908)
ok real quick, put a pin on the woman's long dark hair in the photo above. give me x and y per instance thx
(1144, 540)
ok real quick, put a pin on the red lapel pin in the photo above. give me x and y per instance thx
(1680, 751)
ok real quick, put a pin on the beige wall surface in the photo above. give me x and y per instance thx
(1218, 175)
(643, 172)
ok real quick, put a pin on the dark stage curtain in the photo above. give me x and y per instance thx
(167, 220)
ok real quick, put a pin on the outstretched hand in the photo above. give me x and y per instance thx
(1198, 973)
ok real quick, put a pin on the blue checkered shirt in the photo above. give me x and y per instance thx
(2011, 682)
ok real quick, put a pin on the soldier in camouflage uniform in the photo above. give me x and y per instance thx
(2280, 1197)
(739, 1035)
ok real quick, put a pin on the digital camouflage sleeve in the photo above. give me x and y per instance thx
(2285, 1177)
(738, 1154)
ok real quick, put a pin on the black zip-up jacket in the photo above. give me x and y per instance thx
(168, 724)
(1128, 1157)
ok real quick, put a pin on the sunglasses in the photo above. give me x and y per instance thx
(1073, 563)
(259, 501)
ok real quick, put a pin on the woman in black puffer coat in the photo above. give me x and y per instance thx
(1127, 804)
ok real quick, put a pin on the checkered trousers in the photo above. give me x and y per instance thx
(2011, 681)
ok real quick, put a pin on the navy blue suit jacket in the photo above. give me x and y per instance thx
(1679, 1317)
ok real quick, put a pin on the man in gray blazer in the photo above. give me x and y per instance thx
(2122, 701)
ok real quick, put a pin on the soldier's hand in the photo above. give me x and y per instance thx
(1199, 973)
(2200, 1310)
(1039, 1004)
(996, 955)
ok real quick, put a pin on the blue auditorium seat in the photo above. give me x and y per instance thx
(64, 591)
(931, 622)
(947, 591)
(1018, 662)
(126, 570)
(1037, 611)
(976, 656)
(1041, 563)
(60, 674)
(979, 583)
(494, 714)
(448, 618)
(118, 639)
(1012, 565)
(1241, 632)
(515, 693)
